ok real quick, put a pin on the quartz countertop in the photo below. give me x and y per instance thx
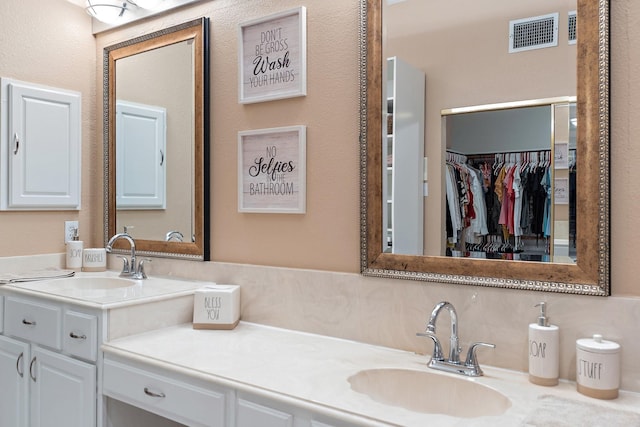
(312, 371)
(151, 289)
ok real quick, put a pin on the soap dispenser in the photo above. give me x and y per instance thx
(544, 349)
(74, 252)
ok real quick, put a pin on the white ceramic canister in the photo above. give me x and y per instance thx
(94, 259)
(598, 367)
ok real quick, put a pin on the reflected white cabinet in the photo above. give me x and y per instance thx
(403, 147)
(40, 147)
(140, 156)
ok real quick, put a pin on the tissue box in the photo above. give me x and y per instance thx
(216, 307)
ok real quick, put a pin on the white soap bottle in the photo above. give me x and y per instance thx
(544, 350)
(74, 252)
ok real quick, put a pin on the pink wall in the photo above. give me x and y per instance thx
(51, 43)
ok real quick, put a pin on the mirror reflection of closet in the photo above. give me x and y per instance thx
(510, 181)
(468, 73)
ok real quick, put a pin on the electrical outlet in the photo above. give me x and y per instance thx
(69, 227)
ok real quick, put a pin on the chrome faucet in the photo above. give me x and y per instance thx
(471, 366)
(175, 236)
(129, 268)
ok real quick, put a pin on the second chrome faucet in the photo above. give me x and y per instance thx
(452, 364)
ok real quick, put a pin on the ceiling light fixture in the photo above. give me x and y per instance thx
(107, 11)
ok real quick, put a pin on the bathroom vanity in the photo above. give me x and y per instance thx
(75, 349)
(260, 375)
(52, 330)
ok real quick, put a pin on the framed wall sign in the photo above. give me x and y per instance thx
(561, 191)
(272, 57)
(561, 155)
(272, 170)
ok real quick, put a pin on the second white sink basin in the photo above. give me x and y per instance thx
(432, 393)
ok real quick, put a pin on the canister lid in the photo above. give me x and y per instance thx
(597, 345)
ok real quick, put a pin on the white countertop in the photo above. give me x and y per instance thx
(140, 291)
(312, 371)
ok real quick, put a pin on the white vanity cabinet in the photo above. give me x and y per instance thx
(14, 392)
(63, 390)
(252, 410)
(196, 401)
(44, 381)
(163, 393)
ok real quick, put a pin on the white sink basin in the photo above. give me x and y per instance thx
(432, 393)
(108, 287)
(89, 283)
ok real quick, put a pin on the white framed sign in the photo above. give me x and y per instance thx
(272, 57)
(272, 170)
(561, 191)
(561, 155)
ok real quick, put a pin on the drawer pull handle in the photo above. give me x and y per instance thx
(152, 393)
(29, 322)
(18, 363)
(33, 361)
(77, 337)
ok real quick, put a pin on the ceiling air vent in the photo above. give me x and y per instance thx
(573, 27)
(533, 33)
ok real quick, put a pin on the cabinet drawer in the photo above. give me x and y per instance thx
(80, 335)
(33, 321)
(252, 414)
(167, 397)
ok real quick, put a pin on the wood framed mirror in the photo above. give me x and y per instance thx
(588, 273)
(156, 135)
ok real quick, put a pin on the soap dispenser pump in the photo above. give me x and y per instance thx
(74, 252)
(544, 349)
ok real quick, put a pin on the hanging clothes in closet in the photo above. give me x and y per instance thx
(467, 211)
(494, 200)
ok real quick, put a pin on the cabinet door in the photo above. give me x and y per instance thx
(42, 145)
(14, 365)
(63, 391)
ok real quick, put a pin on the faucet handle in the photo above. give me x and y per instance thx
(472, 360)
(437, 348)
(141, 274)
(125, 265)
